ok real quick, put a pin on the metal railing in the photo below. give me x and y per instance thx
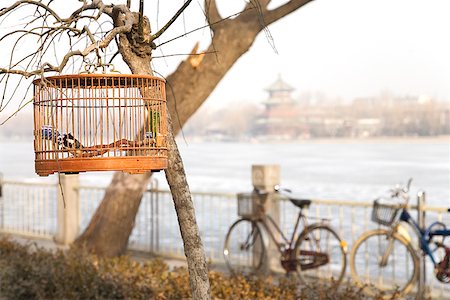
(29, 209)
(156, 227)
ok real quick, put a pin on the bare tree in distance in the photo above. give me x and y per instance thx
(189, 86)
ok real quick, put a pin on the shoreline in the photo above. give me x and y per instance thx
(383, 139)
(321, 140)
(442, 139)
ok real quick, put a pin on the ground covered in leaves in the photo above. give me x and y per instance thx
(30, 272)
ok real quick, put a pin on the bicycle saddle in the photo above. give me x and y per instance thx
(301, 203)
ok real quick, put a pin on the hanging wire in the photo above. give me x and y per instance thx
(267, 32)
(1, 184)
(175, 105)
(205, 26)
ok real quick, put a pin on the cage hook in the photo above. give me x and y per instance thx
(90, 68)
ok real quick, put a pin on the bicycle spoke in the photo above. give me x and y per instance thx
(244, 249)
(321, 256)
(381, 263)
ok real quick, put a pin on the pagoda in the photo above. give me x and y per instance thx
(279, 118)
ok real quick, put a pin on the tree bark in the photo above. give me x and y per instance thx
(112, 223)
(188, 87)
(110, 228)
(193, 246)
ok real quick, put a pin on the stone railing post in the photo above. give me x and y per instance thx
(68, 209)
(422, 289)
(264, 178)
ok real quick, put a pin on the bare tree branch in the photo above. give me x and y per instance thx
(128, 22)
(46, 35)
(19, 109)
(165, 27)
(185, 54)
(141, 18)
(212, 12)
(275, 14)
(121, 15)
(94, 5)
(207, 25)
(5, 10)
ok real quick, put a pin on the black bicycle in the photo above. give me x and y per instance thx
(317, 252)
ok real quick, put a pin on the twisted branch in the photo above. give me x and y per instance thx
(47, 26)
(67, 25)
(5, 10)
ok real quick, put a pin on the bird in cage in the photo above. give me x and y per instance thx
(68, 143)
(71, 143)
(65, 141)
(51, 134)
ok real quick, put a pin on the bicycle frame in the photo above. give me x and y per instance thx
(286, 246)
(268, 223)
(424, 235)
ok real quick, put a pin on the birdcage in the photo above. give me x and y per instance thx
(99, 122)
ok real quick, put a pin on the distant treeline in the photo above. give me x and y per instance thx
(407, 116)
(361, 118)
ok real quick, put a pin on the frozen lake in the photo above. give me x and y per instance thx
(331, 169)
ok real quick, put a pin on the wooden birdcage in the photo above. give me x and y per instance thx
(99, 122)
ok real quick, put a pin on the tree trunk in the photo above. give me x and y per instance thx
(112, 223)
(189, 87)
(193, 247)
(110, 227)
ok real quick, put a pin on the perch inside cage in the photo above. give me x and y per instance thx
(98, 122)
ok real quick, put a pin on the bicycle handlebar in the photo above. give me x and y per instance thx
(276, 189)
(402, 192)
(397, 192)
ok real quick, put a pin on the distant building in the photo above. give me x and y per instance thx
(367, 127)
(283, 118)
(280, 114)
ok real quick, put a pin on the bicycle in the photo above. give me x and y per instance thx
(317, 251)
(377, 253)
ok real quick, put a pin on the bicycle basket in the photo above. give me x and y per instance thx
(248, 206)
(384, 213)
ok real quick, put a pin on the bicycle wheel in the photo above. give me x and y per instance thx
(396, 277)
(321, 256)
(244, 248)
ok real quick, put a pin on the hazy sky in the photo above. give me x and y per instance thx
(343, 48)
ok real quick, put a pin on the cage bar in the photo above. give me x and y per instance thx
(99, 122)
